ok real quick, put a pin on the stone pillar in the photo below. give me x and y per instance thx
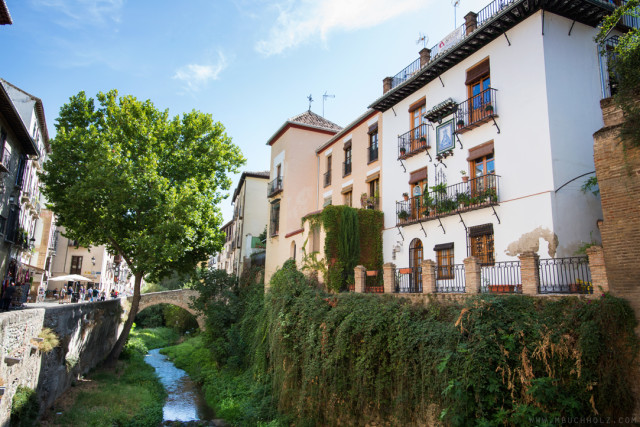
(425, 56)
(598, 269)
(470, 22)
(386, 84)
(389, 276)
(530, 273)
(428, 276)
(472, 275)
(360, 278)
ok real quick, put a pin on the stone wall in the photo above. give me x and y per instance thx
(86, 332)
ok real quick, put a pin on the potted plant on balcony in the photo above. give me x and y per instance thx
(403, 215)
(405, 196)
(465, 178)
(463, 199)
(489, 109)
(403, 150)
(460, 123)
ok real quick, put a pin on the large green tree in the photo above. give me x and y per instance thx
(127, 175)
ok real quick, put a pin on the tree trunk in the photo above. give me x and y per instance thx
(112, 358)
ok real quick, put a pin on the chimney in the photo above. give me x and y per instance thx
(386, 84)
(471, 22)
(425, 57)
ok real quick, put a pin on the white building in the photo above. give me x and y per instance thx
(511, 101)
(106, 271)
(243, 246)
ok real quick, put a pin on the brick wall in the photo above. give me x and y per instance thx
(618, 172)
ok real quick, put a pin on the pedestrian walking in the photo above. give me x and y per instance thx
(103, 296)
(7, 295)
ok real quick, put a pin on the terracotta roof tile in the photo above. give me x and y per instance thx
(312, 119)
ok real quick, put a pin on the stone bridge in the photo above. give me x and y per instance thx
(180, 297)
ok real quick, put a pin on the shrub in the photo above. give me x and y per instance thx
(24, 407)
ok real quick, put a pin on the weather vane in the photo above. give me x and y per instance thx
(310, 98)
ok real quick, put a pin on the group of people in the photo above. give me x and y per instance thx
(68, 294)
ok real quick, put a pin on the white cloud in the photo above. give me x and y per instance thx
(302, 20)
(197, 75)
(76, 13)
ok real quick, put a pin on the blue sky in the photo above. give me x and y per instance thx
(249, 63)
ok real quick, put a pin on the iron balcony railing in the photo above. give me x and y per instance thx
(327, 178)
(491, 10)
(445, 200)
(476, 110)
(450, 278)
(373, 153)
(5, 160)
(569, 275)
(409, 280)
(501, 278)
(346, 168)
(414, 141)
(404, 75)
(274, 187)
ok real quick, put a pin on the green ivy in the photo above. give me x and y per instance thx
(352, 237)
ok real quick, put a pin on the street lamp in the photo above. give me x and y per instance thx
(93, 260)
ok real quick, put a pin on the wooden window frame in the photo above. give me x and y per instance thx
(444, 270)
(76, 267)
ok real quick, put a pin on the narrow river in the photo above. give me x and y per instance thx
(185, 401)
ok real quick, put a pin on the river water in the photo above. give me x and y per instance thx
(185, 401)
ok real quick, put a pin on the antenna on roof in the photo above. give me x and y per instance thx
(324, 97)
(455, 3)
(422, 39)
(310, 98)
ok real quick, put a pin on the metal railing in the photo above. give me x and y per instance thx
(409, 280)
(373, 153)
(450, 278)
(501, 278)
(448, 200)
(417, 139)
(327, 178)
(476, 109)
(274, 226)
(404, 75)
(346, 168)
(570, 275)
(492, 9)
(274, 186)
(374, 282)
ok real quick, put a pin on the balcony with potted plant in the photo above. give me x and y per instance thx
(444, 200)
(477, 110)
(413, 142)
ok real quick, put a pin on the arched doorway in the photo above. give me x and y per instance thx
(415, 262)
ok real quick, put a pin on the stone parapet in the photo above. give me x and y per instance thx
(389, 277)
(599, 278)
(359, 274)
(428, 276)
(530, 273)
(472, 275)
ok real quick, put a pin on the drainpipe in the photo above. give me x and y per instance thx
(317, 180)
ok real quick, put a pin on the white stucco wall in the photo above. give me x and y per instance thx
(534, 83)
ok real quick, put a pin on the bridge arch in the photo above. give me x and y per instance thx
(181, 298)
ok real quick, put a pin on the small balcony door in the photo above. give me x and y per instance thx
(415, 262)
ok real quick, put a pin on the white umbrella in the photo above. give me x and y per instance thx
(71, 277)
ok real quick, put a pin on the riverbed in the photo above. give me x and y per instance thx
(185, 401)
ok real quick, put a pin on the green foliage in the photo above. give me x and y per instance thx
(626, 68)
(130, 396)
(352, 237)
(142, 340)
(179, 319)
(354, 359)
(162, 167)
(150, 317)
(49, 340)
(591, 185)
(24, 407)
